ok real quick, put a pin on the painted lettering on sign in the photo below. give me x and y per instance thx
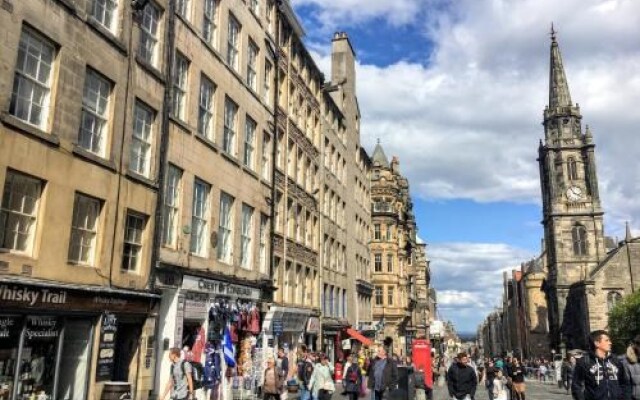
(32, 296)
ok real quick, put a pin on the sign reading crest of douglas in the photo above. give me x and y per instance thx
(219, 288)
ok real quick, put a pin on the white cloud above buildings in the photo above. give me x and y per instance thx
(466, 121)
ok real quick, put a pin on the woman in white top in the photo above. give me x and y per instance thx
(499, 387)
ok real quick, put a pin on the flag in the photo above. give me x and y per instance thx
(227, 349)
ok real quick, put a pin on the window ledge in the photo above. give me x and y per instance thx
(251, 172)
(92, 158)
(107, 34)
(231, 158)
(181, 124)
(142, 179)
(207, 142)
(69, 5)
(80, 264)
(155, 72)
(31, 130)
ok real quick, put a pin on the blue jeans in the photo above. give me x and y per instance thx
(305, 394)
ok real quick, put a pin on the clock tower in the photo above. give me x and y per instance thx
(572, 212)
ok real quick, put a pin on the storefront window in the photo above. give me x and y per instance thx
(38, 363)
(10, 328)
(76, 349)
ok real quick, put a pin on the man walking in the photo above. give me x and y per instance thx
(598, 375)
(383, 374)
(461, 379)
(304, 371)
(489, 375)
(180, 382)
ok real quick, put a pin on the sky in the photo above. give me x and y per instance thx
(456, 90)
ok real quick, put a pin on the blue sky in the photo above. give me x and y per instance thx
(456, 90)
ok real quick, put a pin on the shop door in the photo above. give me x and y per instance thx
(126, 346)
(76, 350)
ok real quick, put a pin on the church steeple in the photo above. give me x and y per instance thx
(559, 95)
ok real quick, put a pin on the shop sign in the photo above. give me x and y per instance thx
(42, 328)
(195, 306)
(10, 327)
(219, 288)
(177, 334)
(45, 298)
(106, 348)
(277, 326)
(313, 326)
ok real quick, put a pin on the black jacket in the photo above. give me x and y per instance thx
(597, 379)
(461, 381)
(389, 374)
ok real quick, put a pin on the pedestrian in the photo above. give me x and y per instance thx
(321, 382)
(489, 376)
(461, 379)
(500, 389)
(567, 372)
(542, 372)
(420, 385)
(631, 368)
(272, 386)
(304, 371)
(283, 364)
(383, 374)
(180, 383)
(518, 372)
(598, 375)
(352, 379)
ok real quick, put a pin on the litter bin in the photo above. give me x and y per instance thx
(406, 385)
(116, 391)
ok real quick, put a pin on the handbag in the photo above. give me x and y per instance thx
(329, 386)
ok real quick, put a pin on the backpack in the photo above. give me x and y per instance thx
(197, 373)
(305, 370)
(352, 374)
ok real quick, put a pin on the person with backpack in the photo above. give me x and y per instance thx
(180, 383)
(352, 379)
(304, 370)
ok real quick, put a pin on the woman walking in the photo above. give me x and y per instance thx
(272, 382)
(352, 379)
(321, 383)
(518, 372)
(499, 386)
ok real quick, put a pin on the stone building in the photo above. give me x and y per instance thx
(80, 128)
(585, 278)
(536, 335)
(393, 252)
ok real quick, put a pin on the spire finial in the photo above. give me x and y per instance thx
(627, 237)
(553, 33)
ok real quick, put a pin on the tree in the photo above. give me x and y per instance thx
(624, 322)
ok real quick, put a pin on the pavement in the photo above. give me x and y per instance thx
(534, 391)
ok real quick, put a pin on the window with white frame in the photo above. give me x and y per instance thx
(377, 264)
(246, 235)
(200, 218)
(210, 21)
(252, 65)
(31, 92)
(389, 262)
(106, 13)
(206, 108)
(233, 42)
(142, 139)
(171, 206)
(225, 229)
(378, 295)
(266, 157)
(264, 242)
(180, 77)
(149, 34)
(229, 134)
(183, 8)
(390, 295)
(84, 230)
(249, 142)
(268, 71)
(19, 212)
(132, 249)
(268, 15)
(95, 107)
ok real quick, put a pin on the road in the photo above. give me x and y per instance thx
(535, 391)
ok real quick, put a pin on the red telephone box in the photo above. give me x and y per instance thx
(421, 353)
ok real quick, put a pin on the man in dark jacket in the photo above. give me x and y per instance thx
(461, 379)
(598, 375)
(383, 374)
(631, 369)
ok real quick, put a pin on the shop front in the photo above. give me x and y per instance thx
(333, 334)
(198, 315)
(286, 328)
(62, 342)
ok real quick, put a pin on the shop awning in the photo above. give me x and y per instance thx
(356, 335)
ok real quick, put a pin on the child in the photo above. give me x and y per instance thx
(499, 387)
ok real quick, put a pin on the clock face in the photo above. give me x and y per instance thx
(574, 193)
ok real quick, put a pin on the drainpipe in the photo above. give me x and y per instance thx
(169, 50)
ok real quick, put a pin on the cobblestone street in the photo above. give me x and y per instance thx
(535, 391)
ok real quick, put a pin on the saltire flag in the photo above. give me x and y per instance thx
(227, 348)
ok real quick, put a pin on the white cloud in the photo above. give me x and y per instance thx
(466, 122)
